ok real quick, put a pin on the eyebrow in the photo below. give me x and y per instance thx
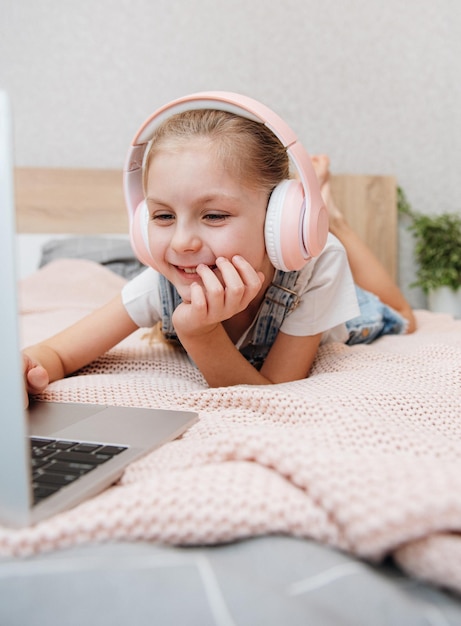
(156, 201)
(209, 197)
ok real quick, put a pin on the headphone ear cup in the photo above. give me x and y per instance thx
(284, 226)
(139, 235)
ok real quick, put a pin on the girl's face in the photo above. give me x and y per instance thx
(198, 212)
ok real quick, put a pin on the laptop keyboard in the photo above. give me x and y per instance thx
(57, 463)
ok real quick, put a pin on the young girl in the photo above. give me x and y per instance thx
(207, 180)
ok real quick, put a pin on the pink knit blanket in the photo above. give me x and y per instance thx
(364, 455)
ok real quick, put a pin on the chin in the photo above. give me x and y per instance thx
(184, 292)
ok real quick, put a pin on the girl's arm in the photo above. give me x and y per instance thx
(76, 346)
(290, 358)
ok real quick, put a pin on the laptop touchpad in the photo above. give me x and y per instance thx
(46, 418)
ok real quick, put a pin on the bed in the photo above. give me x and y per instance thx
(335, 500)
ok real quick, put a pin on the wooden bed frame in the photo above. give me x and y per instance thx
(90, 201)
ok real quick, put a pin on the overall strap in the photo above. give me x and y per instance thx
(170, 301)
(280, 299)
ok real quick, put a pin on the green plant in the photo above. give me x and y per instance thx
(437, 247)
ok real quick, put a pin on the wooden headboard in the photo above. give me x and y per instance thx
(90, 201)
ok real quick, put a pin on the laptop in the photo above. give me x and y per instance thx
(55, 455)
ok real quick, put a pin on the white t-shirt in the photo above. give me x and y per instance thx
(324, 286)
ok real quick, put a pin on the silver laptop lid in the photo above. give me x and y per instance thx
(14, 463)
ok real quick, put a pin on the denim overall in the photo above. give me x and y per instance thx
(375, 319)
(280, 300)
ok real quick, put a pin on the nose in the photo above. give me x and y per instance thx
(185, 237)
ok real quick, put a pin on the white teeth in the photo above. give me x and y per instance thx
(193, 270)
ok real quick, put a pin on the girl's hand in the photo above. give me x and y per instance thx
(36, 377)
(218, 299)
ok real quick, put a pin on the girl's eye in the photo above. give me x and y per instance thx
(162, 217)
(216, 217)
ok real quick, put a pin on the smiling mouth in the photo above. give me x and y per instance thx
(193, 270)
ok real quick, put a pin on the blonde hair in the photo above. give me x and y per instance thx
(247, 148)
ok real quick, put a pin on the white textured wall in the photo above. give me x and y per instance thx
(375, 83)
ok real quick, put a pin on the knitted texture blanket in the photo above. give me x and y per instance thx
(364, 455)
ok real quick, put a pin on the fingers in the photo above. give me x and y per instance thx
(220, 294)
(37, 379)
(252, 279)
(237, 285)
(35, 375)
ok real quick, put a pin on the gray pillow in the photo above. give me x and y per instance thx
(115, 254)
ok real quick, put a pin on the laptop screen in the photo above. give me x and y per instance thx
(14, 464)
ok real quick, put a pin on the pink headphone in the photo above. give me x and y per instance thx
(296, 226)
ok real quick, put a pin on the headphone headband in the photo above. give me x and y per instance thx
(221, 101)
